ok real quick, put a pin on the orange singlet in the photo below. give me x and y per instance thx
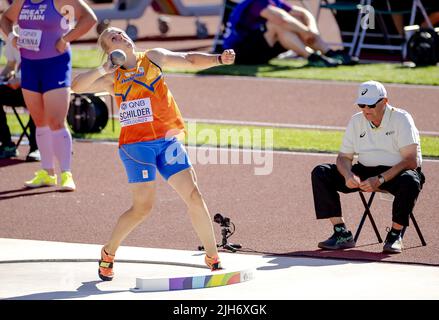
(147, 109)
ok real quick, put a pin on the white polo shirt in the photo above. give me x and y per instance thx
(380, 145)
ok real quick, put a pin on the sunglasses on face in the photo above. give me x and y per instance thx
(370, 106)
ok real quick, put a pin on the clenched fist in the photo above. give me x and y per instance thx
(227, 57)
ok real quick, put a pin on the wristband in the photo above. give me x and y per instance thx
(102, 71)
(219, 60)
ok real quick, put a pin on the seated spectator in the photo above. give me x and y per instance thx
(11, 95)
(259, 30)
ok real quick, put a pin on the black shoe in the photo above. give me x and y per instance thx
(317, 60)
(341, 239)
(33, 155)
(393, 243)
(342, 57)
(8, 151)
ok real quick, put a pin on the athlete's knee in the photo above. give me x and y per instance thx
(38, 118)
(39, 122)
(141, 209)
(195, 197)
(56, 124)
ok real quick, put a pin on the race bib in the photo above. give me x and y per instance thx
(135, 112)
(29, 39)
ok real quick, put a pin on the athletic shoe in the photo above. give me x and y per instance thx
(33, 155)
(105, 270)
(393, 243)
(7, 152)
(341, 239)
(342, 57)
(213, 263)
(41, 179)
(67, 182)
(317, 60)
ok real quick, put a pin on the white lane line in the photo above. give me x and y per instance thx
(280, 125)
(286, 125)
(296, 153)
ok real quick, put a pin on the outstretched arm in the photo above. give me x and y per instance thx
(189, 60)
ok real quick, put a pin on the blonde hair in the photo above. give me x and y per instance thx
(102, 45)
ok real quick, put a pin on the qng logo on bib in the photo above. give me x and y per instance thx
(135, 112)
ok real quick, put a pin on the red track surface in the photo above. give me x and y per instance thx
(292, 101)
(272, 214)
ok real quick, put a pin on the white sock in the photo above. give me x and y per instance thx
(44, 142)
(62, 148)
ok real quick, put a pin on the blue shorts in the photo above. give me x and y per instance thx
(143, 159)
(43, 75)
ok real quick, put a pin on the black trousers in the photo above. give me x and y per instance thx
(327, 182)
(254, 49)
(14, 98)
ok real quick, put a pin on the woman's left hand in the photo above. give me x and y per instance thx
(61, 45)
(228, 56)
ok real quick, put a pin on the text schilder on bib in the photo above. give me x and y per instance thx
(135, 112)
(29, 39)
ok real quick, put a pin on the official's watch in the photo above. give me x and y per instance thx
(381, 179)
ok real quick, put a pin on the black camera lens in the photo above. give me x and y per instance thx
(223, 221)
(218, 218)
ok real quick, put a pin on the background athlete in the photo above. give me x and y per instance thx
(44, 40)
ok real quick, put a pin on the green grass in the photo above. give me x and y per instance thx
(81, 58)
(296, 69)
(86, 58)
(248, 137)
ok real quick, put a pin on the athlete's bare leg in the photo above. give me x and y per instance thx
(185, 183)
(143, 201)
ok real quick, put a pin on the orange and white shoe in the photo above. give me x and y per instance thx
(213, 263)
(106, 266)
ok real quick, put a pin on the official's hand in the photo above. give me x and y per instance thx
(370, 184)
(228, 56)
(353, 181)
(62, 45)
